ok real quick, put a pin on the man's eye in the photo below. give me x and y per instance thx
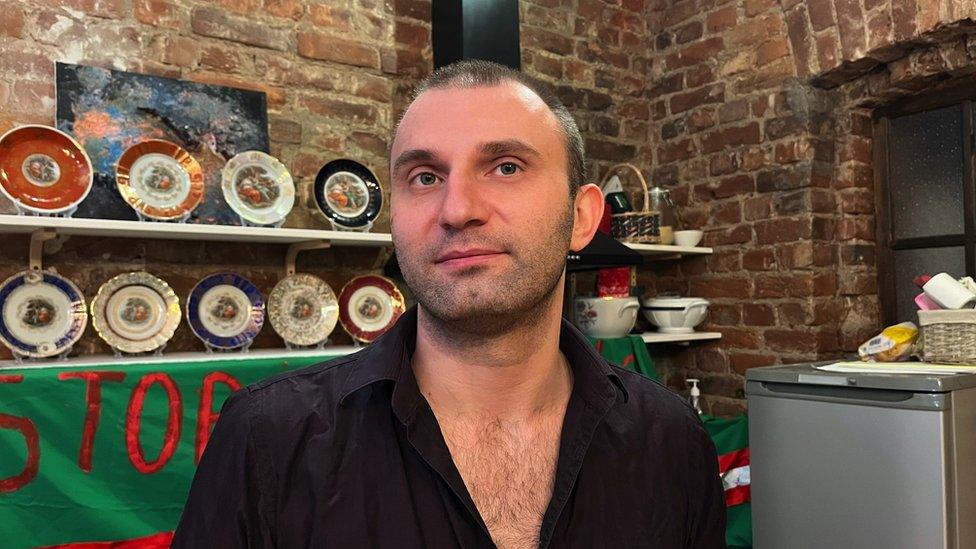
(425, 179)
(508, 168)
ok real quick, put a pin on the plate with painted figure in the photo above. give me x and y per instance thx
(368, 306)
(348, 194)
(258, 188)
(225, 310)
(303, 309)
(44, 170)
(42, 313)
(135, 312)
(159, 180)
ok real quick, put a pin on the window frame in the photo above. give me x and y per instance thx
(885, 242)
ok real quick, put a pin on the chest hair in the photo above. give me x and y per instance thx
(508, 468)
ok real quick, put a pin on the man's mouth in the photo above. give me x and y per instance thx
(467, 257)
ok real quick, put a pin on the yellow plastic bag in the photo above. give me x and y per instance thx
(893, 344)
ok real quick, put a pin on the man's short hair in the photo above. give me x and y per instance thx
(471, 73)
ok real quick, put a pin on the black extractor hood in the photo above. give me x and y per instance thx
(489, 29)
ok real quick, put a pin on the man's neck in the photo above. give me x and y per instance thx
(512, 375)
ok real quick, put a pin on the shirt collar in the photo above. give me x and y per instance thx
(388, 359)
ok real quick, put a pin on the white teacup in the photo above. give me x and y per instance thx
(606, 317)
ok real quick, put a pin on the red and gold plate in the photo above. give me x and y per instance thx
(43, 169)
(159, 179)
(369, 306)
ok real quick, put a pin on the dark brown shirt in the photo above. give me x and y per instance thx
(348, 454)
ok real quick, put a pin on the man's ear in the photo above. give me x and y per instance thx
(588, 211)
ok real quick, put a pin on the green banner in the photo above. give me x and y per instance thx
(106, 452)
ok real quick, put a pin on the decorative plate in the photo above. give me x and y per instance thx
(303, 309)
(159, 179)
(368, 306)
(348, 193)
(225, 310)
(43, 169)
(42, 313)
(135, 312)
(258, 187)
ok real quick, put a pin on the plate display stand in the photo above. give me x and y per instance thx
(21, 210)
(243, 349)
(21, 360)
(144, 218)
(246, 223)
(119, 353)
(321, 345)
(364, 229)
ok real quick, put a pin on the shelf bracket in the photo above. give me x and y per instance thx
(297, 247)
(37, 240)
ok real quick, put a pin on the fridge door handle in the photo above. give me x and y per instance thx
(884, 398)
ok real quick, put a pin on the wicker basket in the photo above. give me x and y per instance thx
(640, 227)
(948, 336)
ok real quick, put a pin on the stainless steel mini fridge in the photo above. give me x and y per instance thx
(853, 461)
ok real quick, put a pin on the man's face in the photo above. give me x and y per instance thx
(481, 215)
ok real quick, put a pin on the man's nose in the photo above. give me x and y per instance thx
(463, 203)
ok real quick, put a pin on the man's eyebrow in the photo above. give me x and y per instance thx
(508, 147)
(411, 156)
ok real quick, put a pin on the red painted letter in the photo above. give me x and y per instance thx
(133, 419)
(29, 432)
(206, 416)
(93, 400)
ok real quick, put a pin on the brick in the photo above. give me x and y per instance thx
(410, 34)
(855, 284)
(793, 314)
(688, 32)
(682, 150)
(792, 176)
(373, 87)
(283, 130)
(856, 201)
(180, 50)
(634, 109)
(731, 137)
(737, 185)
(755, 7)
(324, 47)
(825, 284)
(26, 64)
(370, 142)
(755, 314)
(668, 84)
(699, 75)
(741, 362)
(797, 30)
(158, 13)
(11, 19)
(695, 53)
(221, 58)
(678, 12)
(827, 52)
(740, 234)
(55, 27)
(772, 50)
(758, 259)
(689, 100)
(879, 31)
(722, 19)
(31, 96)
(903, 16)
(733, 111)
(740, 338)
(791, 203)
(729, 213)
(338, 108)
(857, 254)
(212, 22)
(821, 14)
(783, 230)
(860, 228)
(850, 22)
(759, 207)
(790, 340)
(546, 40)
(286, 9)
(606, 150)
(415, 9)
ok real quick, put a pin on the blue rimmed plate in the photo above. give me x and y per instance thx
(348, 194)
(42, 314)
(225, 310)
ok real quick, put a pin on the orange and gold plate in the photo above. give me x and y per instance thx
(159, 179)
(43, 169)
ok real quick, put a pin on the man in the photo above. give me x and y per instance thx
(481, 419)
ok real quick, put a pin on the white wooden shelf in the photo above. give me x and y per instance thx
(667, 249)
(89, 361)
(187, 231)
(657, 337)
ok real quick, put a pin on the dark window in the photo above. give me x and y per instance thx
(925, 209)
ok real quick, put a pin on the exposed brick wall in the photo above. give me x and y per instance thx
(761, 124)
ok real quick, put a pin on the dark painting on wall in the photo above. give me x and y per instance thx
(108, 111)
